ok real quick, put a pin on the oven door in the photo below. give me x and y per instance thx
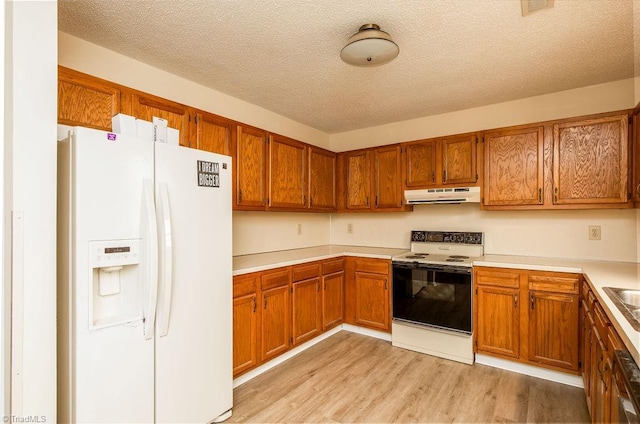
(624, 378)
(433, 295)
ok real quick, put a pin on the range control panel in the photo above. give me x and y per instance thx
(446, 237)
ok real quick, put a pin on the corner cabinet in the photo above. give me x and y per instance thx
(322, 180)
(332, 286)
(369, 293)
(514, 167)
(528, 316)
(356, 180)
(591, 161)
(306, 303)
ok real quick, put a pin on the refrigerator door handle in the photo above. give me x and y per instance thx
(164, 213)
(152, 245)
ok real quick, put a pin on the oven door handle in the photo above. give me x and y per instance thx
(405, 265)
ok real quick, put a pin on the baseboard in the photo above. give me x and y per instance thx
(367, 332)
(531, 370)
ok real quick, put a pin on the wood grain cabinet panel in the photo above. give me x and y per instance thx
(553, 329)
(513, 170)
(497, 321)
(387, 176)
(636, 155)
(86, 101)
(420, 164)
(332, 300)
(213, 133)
(322, 179)
(146, 106)
(459, 159)
(245, 333)
(590, 161)
(276, 324)
(358, 179)
(307, 309)
(372, 300)
(287, 173)
(250, 169)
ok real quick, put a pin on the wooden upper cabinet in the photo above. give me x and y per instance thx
(420, 164)
(590, 161)
(387, 174)
(213, 133)
(322, 179)
(287, 173)
(86, 101)
(636, 155)
(514, 167)
(250, 169)
(358, 179)
(145, 106)
(459, 159)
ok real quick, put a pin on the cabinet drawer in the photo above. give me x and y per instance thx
(614, 342)
(497, 277)
(305, 272)
(330, 267)
(556, 283)
(277, 278)
(373, 266)
(244, 284)
(585, 289)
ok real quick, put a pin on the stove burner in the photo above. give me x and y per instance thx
(458, 257)
(452, 259)
(416, 256)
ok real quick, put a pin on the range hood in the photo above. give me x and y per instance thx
(443, 195)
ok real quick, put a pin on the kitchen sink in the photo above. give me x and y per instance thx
(628, 302)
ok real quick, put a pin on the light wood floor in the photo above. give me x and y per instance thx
(354, 378)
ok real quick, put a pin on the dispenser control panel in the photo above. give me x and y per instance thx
(106, 253)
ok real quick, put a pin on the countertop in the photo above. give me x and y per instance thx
(599, 273)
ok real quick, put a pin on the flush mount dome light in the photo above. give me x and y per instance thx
(369, 47)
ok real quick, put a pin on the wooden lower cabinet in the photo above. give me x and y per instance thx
(245, 323)
(528, 316)
(368, 293)
(306, 304)
(275, 322)
(332, 300)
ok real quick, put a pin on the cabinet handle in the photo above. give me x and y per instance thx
(304, 199)
(555, 195)
(533, 301)
(638, 189)
(540, 195)
(325, 285)
(240, 195)
(318, 286)
(255, 304)
(385, 283)
(444, 175)
(433, 177)
(515, 300)
(367, 201)
(265, 303)
(376, 200)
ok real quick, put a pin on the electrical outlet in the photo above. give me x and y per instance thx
(349, 228)
(595, 232)
(299, 229)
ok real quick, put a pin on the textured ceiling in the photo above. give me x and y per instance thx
(283, 55)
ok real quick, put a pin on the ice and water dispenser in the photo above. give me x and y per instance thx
(115, 287)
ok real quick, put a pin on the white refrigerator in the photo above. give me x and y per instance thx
(144, 281)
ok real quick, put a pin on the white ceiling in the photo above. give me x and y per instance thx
(283, 55)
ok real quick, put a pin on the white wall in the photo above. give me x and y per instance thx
(562, 234)
(582, 101)
(92, 59)
(255, 232)
(30, 189)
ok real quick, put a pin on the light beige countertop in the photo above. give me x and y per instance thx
(245, 264)
(599, 273)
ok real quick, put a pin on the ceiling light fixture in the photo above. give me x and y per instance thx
(369, 47)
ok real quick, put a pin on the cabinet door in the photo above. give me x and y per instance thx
(372, 300)
(459, 160)
(86, 101)
(306, 300)
(387, 178)
(250, 168)
(420, 164)
(276, 325)
(245, 333)
(145, 107)
(636, 155)
(358, 180)
(601, 394)
(585, 344)
(498, 320)
(553, 329)
(332, 300)
(322, 179)
(213, 133)
(513, 171)
(287, 171)
(590, 161)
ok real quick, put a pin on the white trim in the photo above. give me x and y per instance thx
(531, 370)
(367, 332)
